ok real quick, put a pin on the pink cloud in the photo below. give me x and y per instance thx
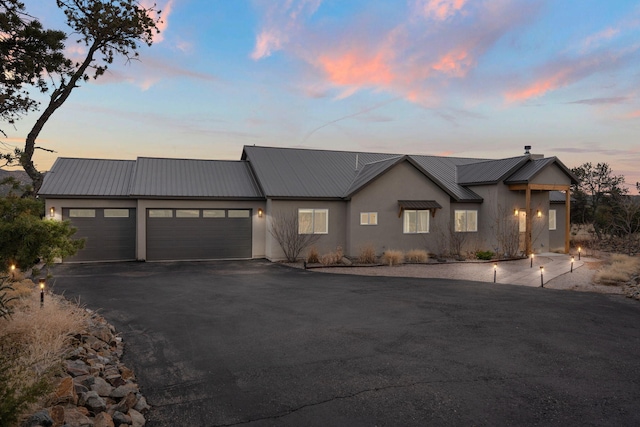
(633, 115)
(439, 10)
(153, 9)
(282, 21)
(598, 37)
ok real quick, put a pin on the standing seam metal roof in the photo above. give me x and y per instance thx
(488, 172)
(88, 177)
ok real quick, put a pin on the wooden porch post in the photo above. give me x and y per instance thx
(567, 222)
(528, 234)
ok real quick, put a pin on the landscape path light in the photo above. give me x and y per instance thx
(572, 259)
(41, 281)
(542, 276)
(495, 270)
(531, 260)
(579, 250)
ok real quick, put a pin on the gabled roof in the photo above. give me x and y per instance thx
(489, 171)
(534, 167)
(151, 177)
(157, 177)
(88, 177)
(306, 173)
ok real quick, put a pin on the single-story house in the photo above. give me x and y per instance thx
(187, 209)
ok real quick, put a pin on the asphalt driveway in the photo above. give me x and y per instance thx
(253, 343)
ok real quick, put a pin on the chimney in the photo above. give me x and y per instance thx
(527, 150)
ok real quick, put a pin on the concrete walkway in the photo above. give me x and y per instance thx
(521, 272)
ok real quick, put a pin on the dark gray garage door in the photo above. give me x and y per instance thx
(185, 234)
(110, 234)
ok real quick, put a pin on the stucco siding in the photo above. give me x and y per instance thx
(326, 243)
(552, 175)
(556, 237)
(402, 182)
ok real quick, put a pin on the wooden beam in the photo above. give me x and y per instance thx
(542, 187)
(567, 222)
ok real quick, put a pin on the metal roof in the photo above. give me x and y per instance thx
(306, 173)
(532, 168)
(489, 171)
(557, 197)
(419, 204)
(88, 177)
(156, 177)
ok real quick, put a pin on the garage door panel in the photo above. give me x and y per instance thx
(198, 238)
(106, 239)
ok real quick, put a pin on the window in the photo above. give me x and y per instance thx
(416, 221)
(466, 221)
(239, 213)
(82, 213)
(522, 227)
(160, 213)
(552, 219)
(368, 218)
(214, 213)
(116, 213)
(187, 213)
(313, 221)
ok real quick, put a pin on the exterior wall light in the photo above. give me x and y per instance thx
(260, 212)
(539, 213)
(52, 211)
(516, 211)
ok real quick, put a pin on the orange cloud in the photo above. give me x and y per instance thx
(351, 69)
(455, 63)
(440, 10)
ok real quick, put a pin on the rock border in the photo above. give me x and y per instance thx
(96, 390)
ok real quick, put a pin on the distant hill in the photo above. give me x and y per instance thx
(20, 175)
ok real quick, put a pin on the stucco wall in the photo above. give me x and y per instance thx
(326, 243)
(556, 237)
(552, 175)
(402, 182)
(258, 224)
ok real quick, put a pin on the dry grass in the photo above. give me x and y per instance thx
(332, 257)
(34, 340)
(367, 254)
(619, 270)
(417, 255)
(393, 257)
(313, 256)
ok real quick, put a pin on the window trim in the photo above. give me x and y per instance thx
(466, 220)
(368, 216)
(417, 212)
(313, 220)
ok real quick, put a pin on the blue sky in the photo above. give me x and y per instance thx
(444, 77)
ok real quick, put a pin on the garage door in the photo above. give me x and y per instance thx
(185, 234)
(110, 234)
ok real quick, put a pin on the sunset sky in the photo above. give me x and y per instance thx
(462, 78)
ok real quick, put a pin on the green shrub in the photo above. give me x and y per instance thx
(485, 255)
(5, 299)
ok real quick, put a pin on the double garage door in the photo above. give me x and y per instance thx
(192, 234)
(172, 234)
(110, 234)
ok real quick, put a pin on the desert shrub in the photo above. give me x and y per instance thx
(313, 256)
(417, 255)
(620, 269)
(32, 345)
(485, 255)
(332, 257)
(393, 257)
(367, 254)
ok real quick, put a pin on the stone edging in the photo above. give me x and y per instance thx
(96, 390)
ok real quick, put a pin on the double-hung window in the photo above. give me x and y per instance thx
(466, 221)
(313, 221)
(416, 221)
